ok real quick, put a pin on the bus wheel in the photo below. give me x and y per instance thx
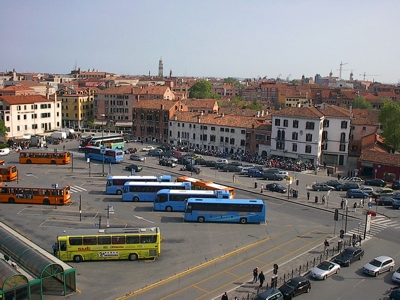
(200, 219)
(243, 221)
(168, 208)
(135, 199)
(78, 258)
(133, 256)
(119, 192)
(46, 202)
(11, 200)
(53, 162)
(28, 161)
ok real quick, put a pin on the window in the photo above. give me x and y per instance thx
(204, 137)
(226, 129)
(309, 137)
(243, 131)
(342, 137)
(343, 125)
(342, 147)
(221, 139)
(226, 139)
(232, 130)
(222, 129)
(277, 122)
(308, 149)
(285, 123)
(310, 125)
(294, 147)
(326, 123)
(212, 128)
(232, 141)
(324, 135)
(295, 136)
(295, 124)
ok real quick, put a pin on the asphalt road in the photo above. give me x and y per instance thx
(198, 261)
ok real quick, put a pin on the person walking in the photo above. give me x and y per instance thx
(323, 199)
(342, 204)
(234, 178)
(224, 296)
(308, 196)
(262, 188)
(345, 202)
(261, 278)
(255, 275)
(55, 248)
(338, 176)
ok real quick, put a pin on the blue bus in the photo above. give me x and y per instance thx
(175, 200)
(225, 210)
(147, 191)
(109, 155)
(116, 183)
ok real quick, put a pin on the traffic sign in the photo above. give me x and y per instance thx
(369, 205)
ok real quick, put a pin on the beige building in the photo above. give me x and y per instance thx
(76, 109)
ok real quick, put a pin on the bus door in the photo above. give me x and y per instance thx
(62, 249)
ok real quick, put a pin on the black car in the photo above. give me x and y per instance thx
(200, 161)
(167, 162)
(219, 165)
(193, 168)
(384, 201)
(375, 182)
(231, 168)
(348, 256)
(236, 163)
(347, 186)
(333, 183)
(210, 163)
(295, 286)
(135, 168)
(275, 187)
(272, 176)
(396, 185)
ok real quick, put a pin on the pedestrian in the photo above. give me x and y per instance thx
(327, 172)
(262, 188)
(64, 148)
(234, 178)
(261, 278)
(342, 204)
(308, 196)
(55, 248)
(345, 202)
(324, 165)
(323, 199)
(355, 206)
(224, 296)
(362, 202)
(338, 176)
(348, 173)
(255, 275)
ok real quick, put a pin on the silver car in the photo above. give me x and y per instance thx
(396, 276)
(137, 157)
(379, 265)
(324, 270)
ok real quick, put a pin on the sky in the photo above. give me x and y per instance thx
(204, 38)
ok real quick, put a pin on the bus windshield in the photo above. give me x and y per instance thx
(8, 173)
(116, 183)
(147, 191)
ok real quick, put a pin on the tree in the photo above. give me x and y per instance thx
(202, 90)
(255, 105)
(360, 102)
(3, 129)
(236, 83)
(389, 118)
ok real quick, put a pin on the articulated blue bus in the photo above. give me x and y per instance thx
(225, 210)
(147, 191)
(116, 183)
(109, 155)
(175, 200)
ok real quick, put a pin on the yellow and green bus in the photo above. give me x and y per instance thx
(109, 244)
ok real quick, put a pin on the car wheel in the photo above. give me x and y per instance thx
(200, 219)
(360, 257)
(376, 274)
(390, 269)
(308, 289)
(337, 271)
(135, 199)
(324, 277)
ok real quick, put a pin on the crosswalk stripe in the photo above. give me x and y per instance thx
(77, 189)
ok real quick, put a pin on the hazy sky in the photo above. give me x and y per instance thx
(204, 38)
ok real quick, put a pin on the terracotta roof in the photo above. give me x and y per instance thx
(155, 104)
(217, 119)
(306, 112)
(383, 157)
(30, 99)
(153, 90)
(365, 117)
(200, 102)
(17, 88)
(334, 111)
(124, 89)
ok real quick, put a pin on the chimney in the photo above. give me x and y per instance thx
(198, 120)
(262, 113)
(258, 113)
(201, 113)
(162, 106)
(222, 115)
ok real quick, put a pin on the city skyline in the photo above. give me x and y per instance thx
(285, 39)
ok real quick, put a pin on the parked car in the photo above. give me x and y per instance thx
(271, 294)
(230, 168)
(356, 179)
(347, 186)
(396, 276)
(348, 256)
(375, 182)
(379, 265)
(367, 189)
(174, 159)
(356, 193)
(167, 162)
(272, 176)
(324, 270)
(244, 170)
(283, 174)
(193, 168)
(396, 204)
(272, 170)
(136, 168)
(222, 161)
(333, 183)
(384, 201)
(396, 185)
(394, 294)
(295, 286)
(236, 163)
(210, 163)
(254, 172)
(147, 148)
(200, 161)
(276, 187)
(382, 192)
(155, 152)
(322, 187)
(130, 150)
(219, 165)
(137, 157)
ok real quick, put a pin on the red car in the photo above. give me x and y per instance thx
(130, 150)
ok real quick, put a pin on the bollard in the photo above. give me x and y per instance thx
(255, 185)
(316, 199)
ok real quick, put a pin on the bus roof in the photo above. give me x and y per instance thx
(137, 176)
(156, 183)
(191, 192)
(99, 137)
(217, 186)
(43, 151)
(107, 149)
(191, 179)
(70, 232)
(225, 201)
(31, 186)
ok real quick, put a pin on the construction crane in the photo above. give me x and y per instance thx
(364, 75)
(288, 78)
(340, 69)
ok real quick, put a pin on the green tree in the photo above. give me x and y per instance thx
(389, 118)
(360, 102)
(3, 129)
(234, 82)
(202, 90)
(255, 105)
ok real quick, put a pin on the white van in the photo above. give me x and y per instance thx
(4, 151)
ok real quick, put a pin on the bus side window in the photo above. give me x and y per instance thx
(63, 246)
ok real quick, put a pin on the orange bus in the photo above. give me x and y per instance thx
(35, 195)
(44, 157)
(8, 173)
(198, 184)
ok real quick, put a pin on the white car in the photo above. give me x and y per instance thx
(222, 161)
(324, 270)
(396, 276)
(244, 170)
(148, 148)
(355, 179)
(283, 174)
(379, 265)
(367, 189)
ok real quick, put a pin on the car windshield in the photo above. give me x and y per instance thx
(375, 263)
(292, 284)
(347, 254)
(324, 265)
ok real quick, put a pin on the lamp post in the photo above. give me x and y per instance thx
(102, 142)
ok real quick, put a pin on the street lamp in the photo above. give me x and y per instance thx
(102, 141)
